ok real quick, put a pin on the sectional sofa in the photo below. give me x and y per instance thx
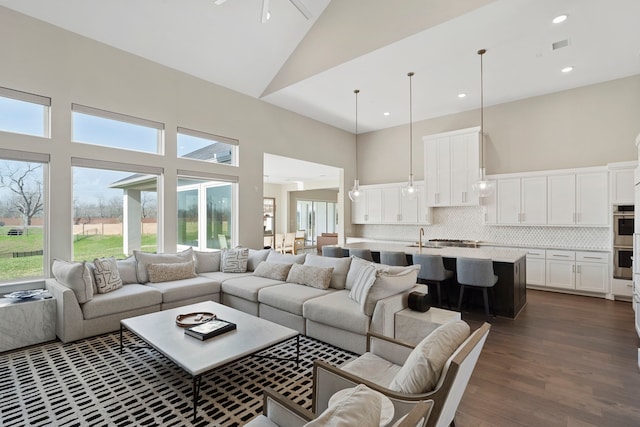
(336, 300)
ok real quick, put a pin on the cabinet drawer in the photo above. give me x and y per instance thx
(536, 253)
(599, 257)
(561, 255)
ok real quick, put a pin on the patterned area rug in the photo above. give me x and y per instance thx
(89, 383)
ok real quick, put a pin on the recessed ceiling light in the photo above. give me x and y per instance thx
(386, 113)
(462, 95)
(560, 18)
(567, 69)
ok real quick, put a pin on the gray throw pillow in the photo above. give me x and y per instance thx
(316, 277)
(143, 259)
(234, 260)
(272, 270)
(106, 274)
(172, 271)
(127, 270)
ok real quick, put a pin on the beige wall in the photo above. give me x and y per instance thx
(42, 59)
(588, 126)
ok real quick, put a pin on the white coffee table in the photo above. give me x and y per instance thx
(196, 357)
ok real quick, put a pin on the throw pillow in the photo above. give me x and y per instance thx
(172, 271)
(422, 369)
(127, 270)
(272, 270)
(285, 258)
(106, 275)
(234, 260)
(362, 284)
(316, 277)
(207, 262)
(75, 276)
(354, 270)
(390, 281)
(340, 268)
(360, 407)
(143, 259)
(256, 256)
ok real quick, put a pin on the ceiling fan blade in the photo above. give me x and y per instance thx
(302, 8)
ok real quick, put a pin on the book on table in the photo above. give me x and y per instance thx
(210, 329)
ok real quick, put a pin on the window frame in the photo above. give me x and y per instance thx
(213, 138)
(30, 98)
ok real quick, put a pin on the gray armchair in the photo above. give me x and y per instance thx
(382, 357)
(280, 411)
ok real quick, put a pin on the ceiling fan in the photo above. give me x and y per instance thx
(265, 8)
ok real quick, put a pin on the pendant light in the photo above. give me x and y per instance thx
(410, 191)
(482, 187)
(354, 193)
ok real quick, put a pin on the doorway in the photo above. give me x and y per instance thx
(316, 217)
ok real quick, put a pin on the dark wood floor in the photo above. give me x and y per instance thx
(565, 361)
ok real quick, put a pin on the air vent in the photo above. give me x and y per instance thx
(560, 44)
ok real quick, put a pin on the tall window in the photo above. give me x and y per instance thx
(24, 113)
(22, 209)
(205, 213)
(206, 147)
(114, 212)
(99, 127)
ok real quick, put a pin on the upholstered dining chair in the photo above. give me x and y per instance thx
(361, 253)
(280, 411)
(476, 273)
(432, 272)
(333, 251)
(393, 258)
(386, 358)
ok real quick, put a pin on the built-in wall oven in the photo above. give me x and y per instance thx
(623, 228)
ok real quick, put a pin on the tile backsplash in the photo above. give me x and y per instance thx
(465, 223)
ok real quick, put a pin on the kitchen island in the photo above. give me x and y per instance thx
(509, 265)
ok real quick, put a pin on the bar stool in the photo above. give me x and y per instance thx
(476, 273)
(393, 258)
(361, 253)
(332, 251)
(432, 272)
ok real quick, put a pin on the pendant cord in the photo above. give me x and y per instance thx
(357, 91)
(481, 52)
(410, 124)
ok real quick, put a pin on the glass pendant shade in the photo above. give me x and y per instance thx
(354, 193)
(410, 191)
(483, 187)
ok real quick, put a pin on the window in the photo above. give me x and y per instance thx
(206, 147)
(114, 211)
(316, 218)
(24, 113)
(205, 212)
(99, 127)
(22, 211)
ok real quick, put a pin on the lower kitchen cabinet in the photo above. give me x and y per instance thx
(536, 267)
(582, 271)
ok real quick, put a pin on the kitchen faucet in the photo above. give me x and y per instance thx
(420, 234)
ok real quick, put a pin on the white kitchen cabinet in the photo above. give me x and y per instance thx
(522, 201)
(368, 208)
(578, 199)
(359, 208)
(490, 208)
(560, 269)
(425, 213)
(396, 208)
(536, 267)
(385, 204)
(451, 167)
(621, 178)
(582, 271)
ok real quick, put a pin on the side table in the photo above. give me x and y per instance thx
(26, 322)
(412, 326)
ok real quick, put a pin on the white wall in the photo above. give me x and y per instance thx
(42, 59)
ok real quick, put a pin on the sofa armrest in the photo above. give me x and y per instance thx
(383, 319)
(69, 317)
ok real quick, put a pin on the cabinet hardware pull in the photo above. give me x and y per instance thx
(592, 257)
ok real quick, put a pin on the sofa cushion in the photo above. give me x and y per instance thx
(362, 284)
(421, 371)
(234, 260)
(340, 268)
(374, 368)
(127, 298)
(172, 271)
(289, 297)
(390, 281)
(207, 261)
(127, 270)
(75, 276)
(256, 257)
(285, 258)
(220, 276)
(273, 270)
(247, 287)
(360, 407)
(106, 275)
(178, 290)
(338, 310)
(316, 277)
(145, 258)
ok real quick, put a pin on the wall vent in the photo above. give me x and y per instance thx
(560, 44)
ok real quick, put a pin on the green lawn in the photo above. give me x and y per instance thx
(84, 250)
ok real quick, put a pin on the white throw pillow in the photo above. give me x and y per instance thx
(390, 281)
(422, 369)
(106, 274)
(361, 407)
(172, 271)
(75, 276)
(207, 262)
(354, 270)
(234, 260)
(362, 284)
(316, 277)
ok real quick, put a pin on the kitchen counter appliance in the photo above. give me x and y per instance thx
(623, 229)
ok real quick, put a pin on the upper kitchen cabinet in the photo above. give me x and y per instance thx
(368, 208)
(452, 161)
(578, 199)
(385, 204)
(397, 209)
(522, 201)
(621, 179)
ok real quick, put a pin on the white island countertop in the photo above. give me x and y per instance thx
(509, 255)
